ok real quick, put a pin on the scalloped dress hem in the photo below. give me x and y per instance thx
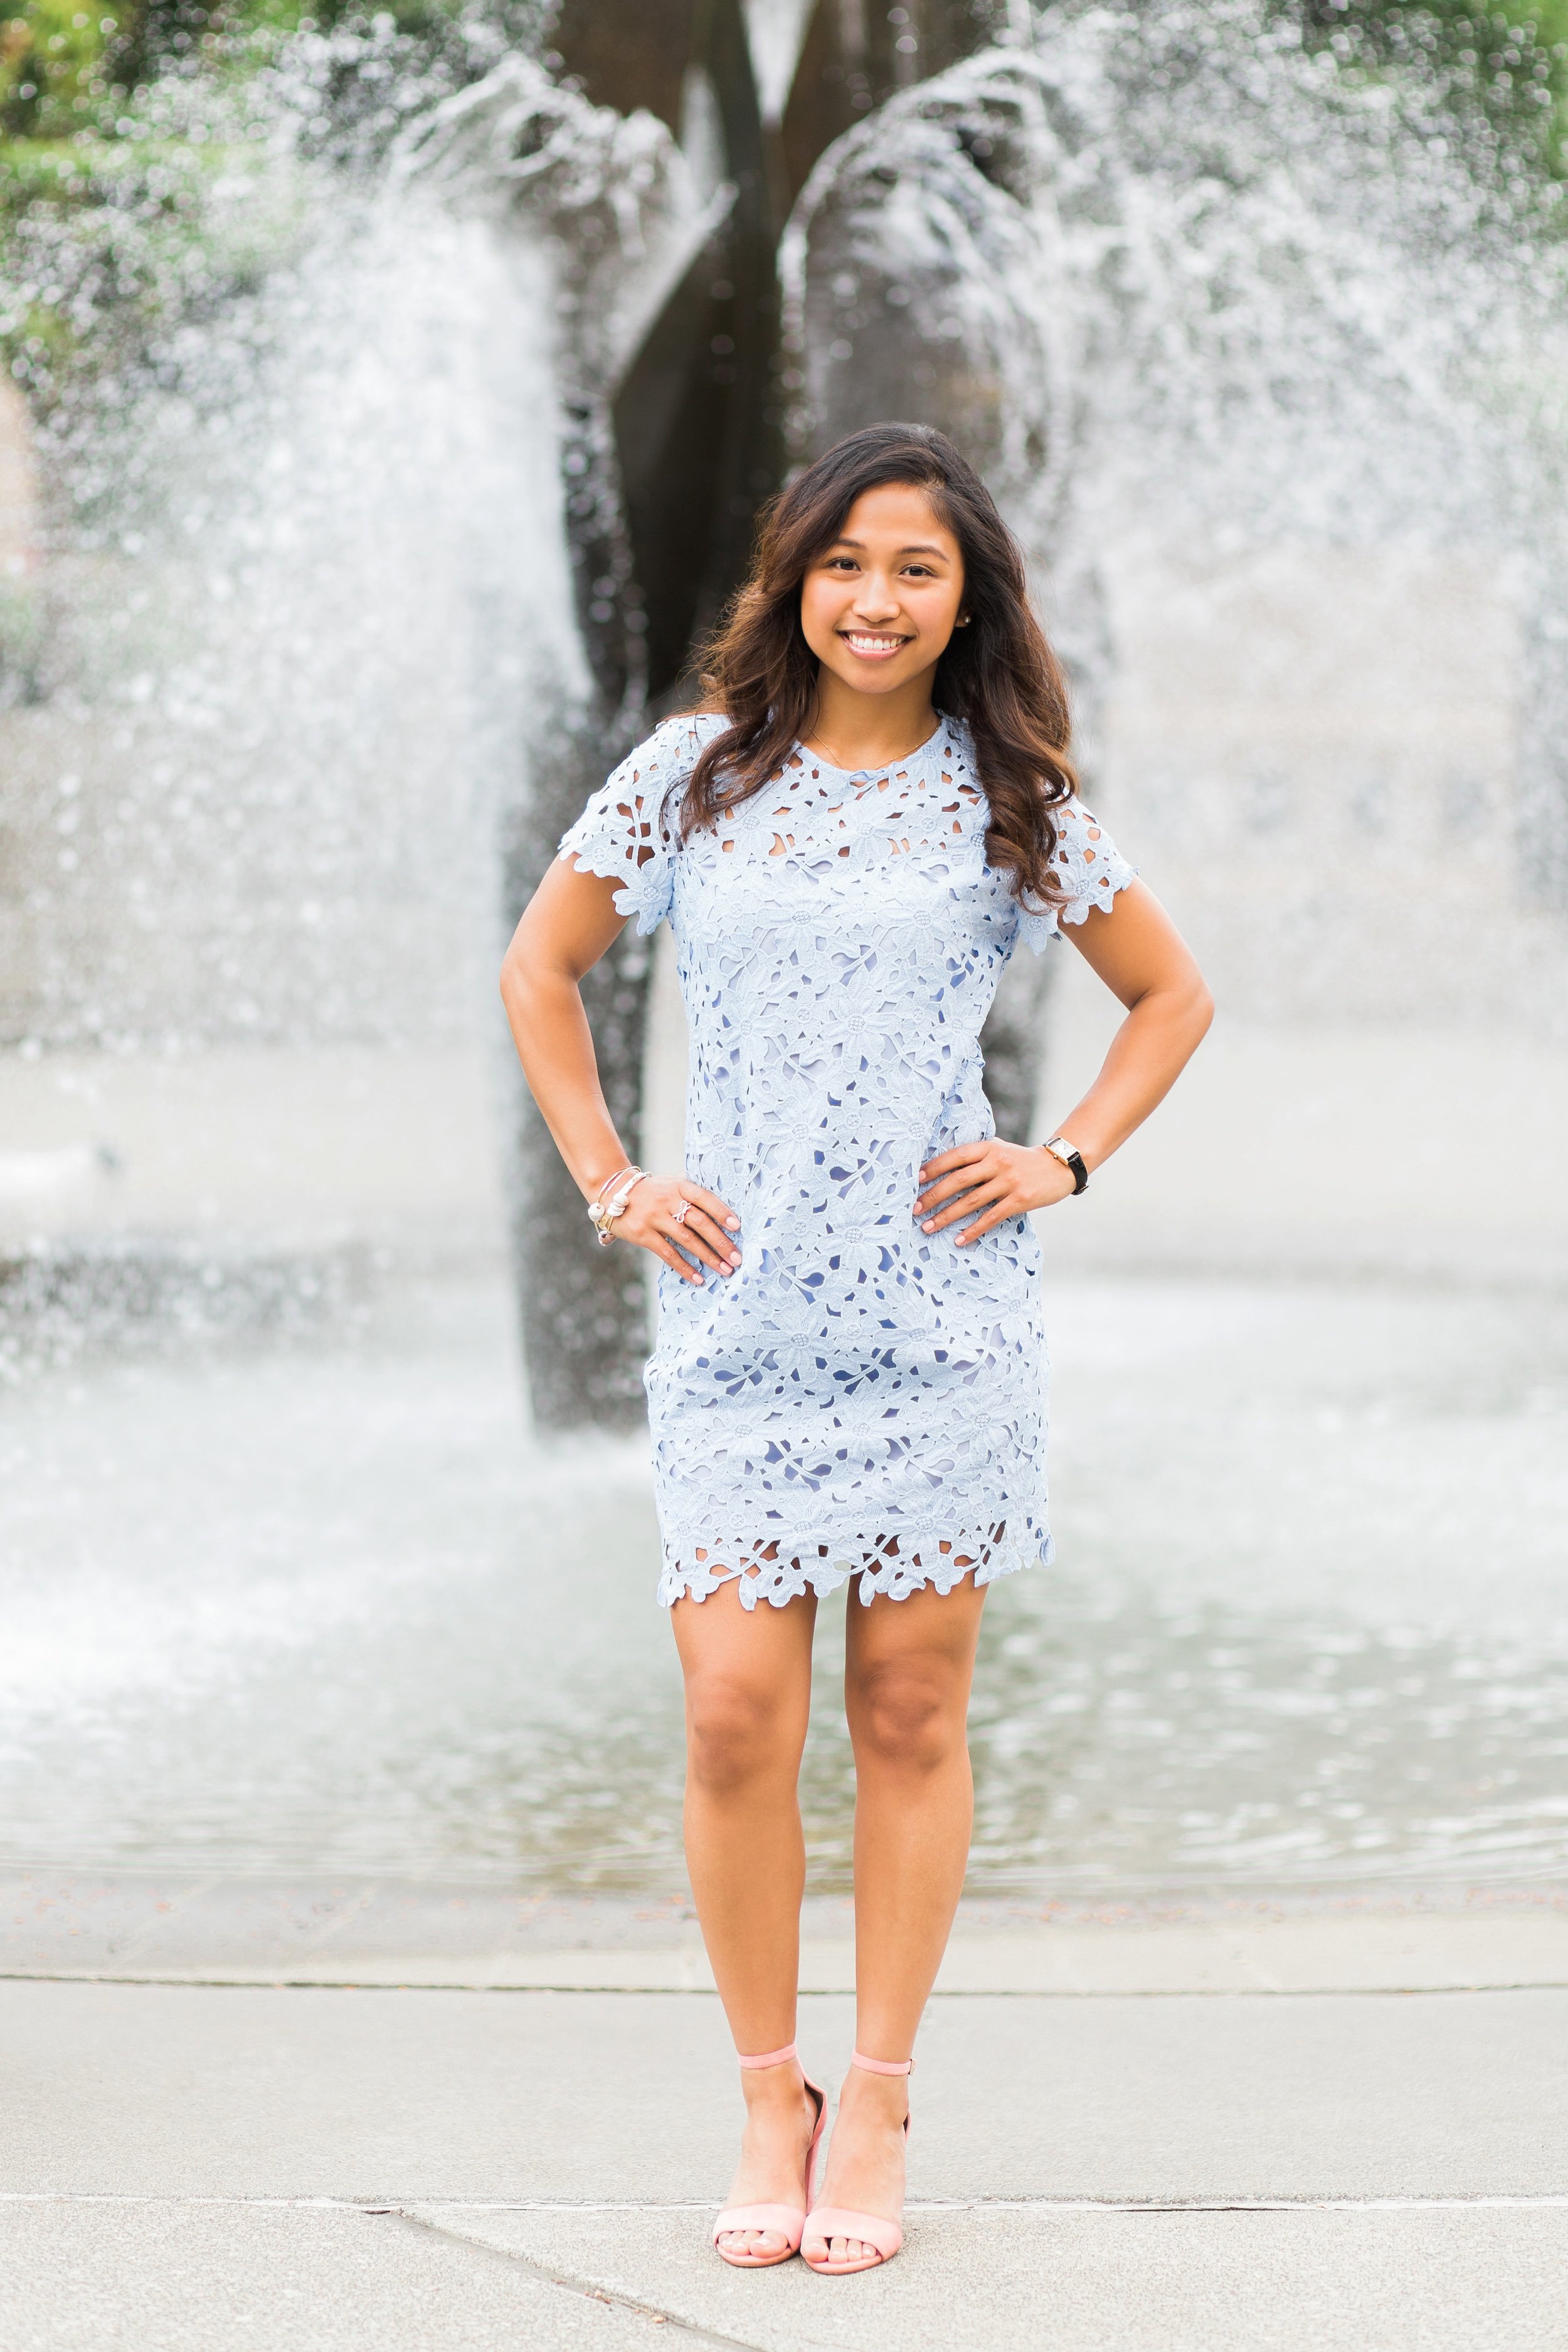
(781, 1581)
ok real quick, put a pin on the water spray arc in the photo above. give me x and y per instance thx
(673, 392)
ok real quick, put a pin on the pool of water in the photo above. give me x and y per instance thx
(323, 1605)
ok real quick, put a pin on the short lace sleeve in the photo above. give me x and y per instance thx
(626, 831)
(1090, 869)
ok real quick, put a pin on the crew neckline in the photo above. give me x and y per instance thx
(885, 768)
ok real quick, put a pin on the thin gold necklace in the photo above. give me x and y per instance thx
(826, 752)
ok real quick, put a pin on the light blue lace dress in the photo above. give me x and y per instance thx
(862, 1398)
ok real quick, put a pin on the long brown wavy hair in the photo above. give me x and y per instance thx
(998, 674)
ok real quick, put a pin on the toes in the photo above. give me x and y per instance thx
(850, 2250)
(752, 2241)
(839, 2253)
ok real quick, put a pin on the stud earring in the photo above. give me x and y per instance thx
(962, 622)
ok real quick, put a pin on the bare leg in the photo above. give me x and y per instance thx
(908, 1670)
(748, 1699)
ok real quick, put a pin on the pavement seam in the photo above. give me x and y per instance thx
(1546, 2199)
(262, 1983)
(586, 2289)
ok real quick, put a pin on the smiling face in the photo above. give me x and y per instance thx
(878, 607)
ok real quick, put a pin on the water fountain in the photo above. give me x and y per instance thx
(297, 707)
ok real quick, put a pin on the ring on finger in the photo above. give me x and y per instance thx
(680, 1213)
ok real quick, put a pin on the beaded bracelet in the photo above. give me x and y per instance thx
(605, 1212)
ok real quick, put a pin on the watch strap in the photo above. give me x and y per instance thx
(1072, 1161)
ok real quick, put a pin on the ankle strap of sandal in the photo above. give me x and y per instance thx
(881, 2065)
(768, 2058)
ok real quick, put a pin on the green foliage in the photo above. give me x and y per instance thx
(65, 68)
(143, 182)
(110, 244)
(1500, 70)
(52, 66)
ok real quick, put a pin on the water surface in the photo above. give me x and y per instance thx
(323, 1605)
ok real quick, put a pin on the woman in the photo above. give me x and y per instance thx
(874, 809)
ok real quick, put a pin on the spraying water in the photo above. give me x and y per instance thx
(349, 611)
(1199, 308)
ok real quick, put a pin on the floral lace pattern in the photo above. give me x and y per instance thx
(861, 1399)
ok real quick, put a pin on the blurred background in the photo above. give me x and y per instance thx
(387, 398)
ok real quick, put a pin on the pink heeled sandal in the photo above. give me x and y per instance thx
(787, 2220)
(830, 2221)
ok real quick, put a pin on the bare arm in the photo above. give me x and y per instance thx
(1143, 958)
(568, 924)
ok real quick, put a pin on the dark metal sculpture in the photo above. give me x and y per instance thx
(663, 485)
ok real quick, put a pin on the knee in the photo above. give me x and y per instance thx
(903, 1712)
(735, 1734)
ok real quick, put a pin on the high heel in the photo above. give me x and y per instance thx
(788, 2222)
(830, 2221)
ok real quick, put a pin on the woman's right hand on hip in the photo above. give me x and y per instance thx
(665, 1210)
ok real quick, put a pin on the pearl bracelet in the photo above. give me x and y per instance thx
(605, 1212)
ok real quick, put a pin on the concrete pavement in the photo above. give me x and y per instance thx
(259, 1927)
(164, 2277)
(212, 2166)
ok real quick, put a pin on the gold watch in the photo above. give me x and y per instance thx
(1072, 1161)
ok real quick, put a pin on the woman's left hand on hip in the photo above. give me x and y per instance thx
(989, 1181)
